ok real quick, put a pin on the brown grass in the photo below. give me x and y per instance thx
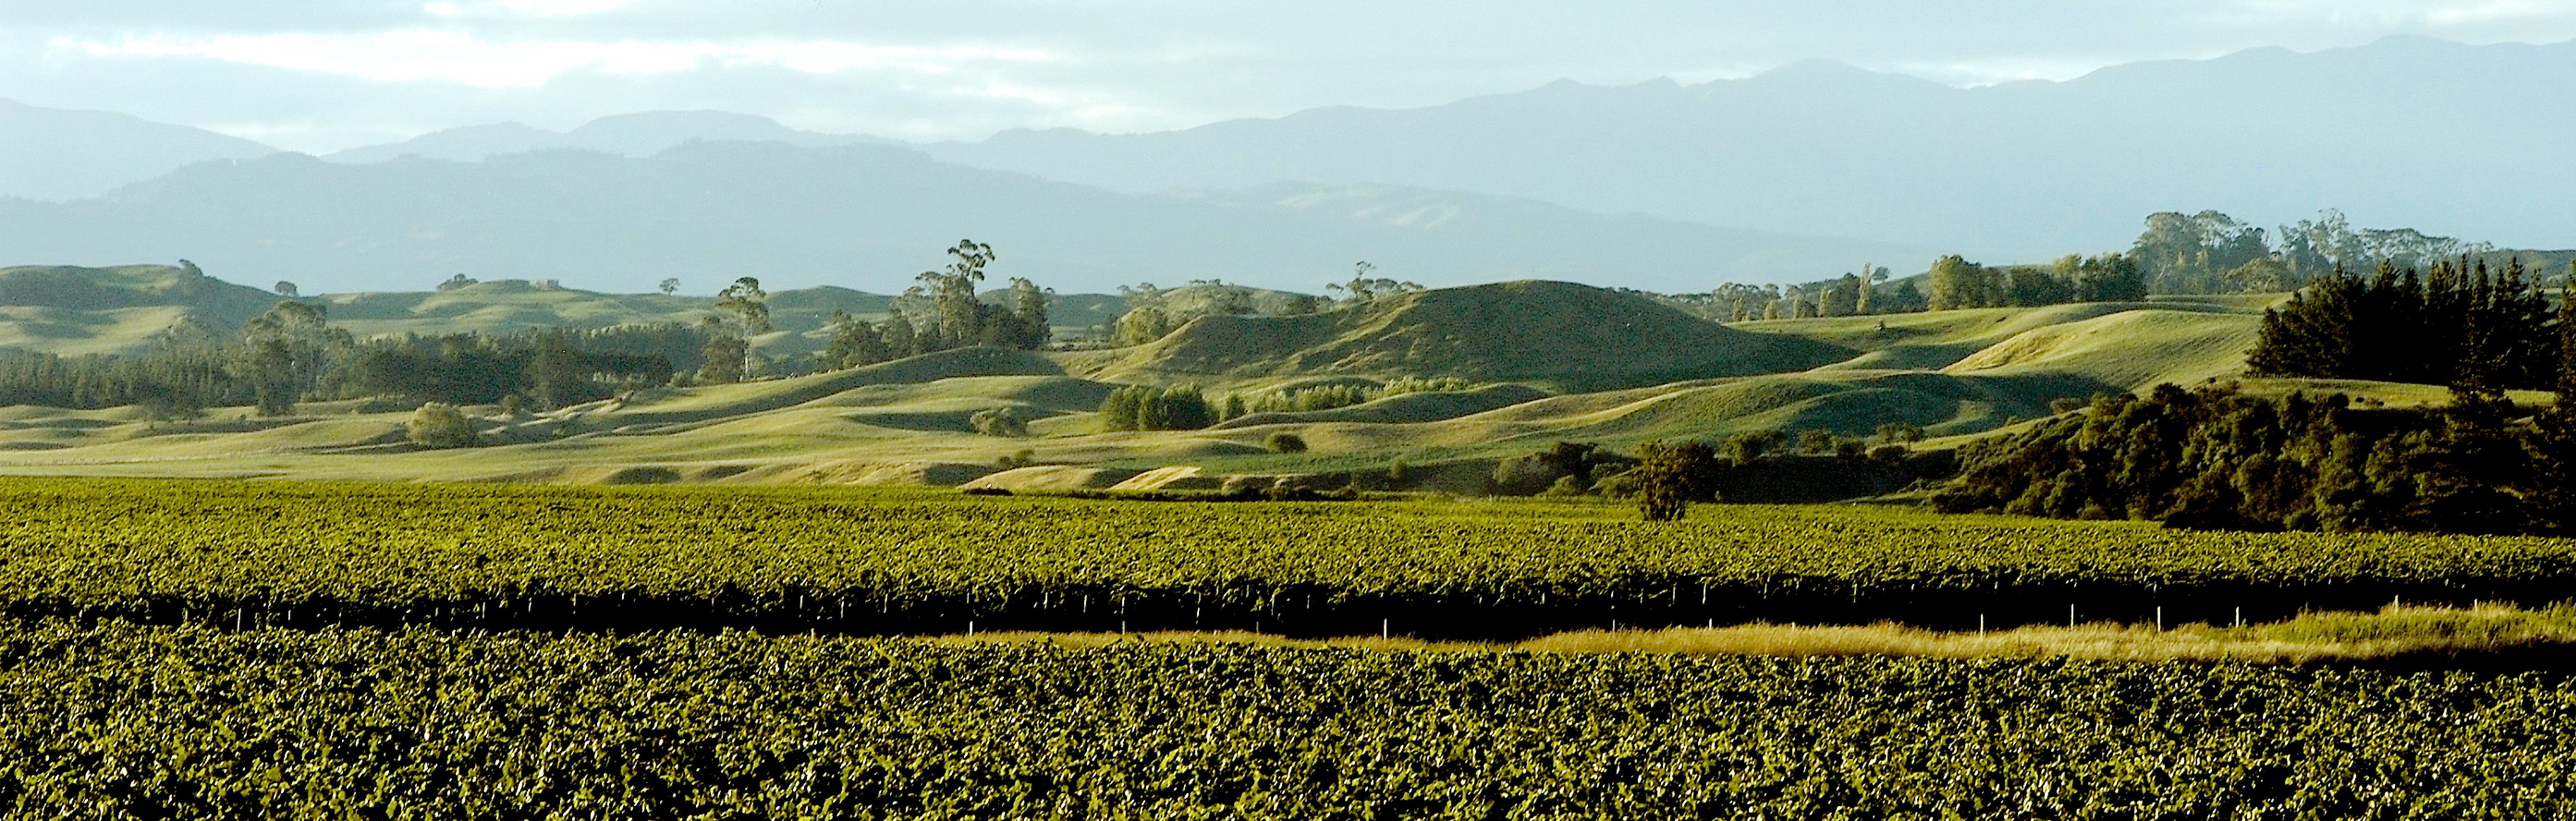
(2314, 637)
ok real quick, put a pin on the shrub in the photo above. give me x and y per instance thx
(440, 425)
(1285, 442)
(1744, 448)
(1001, 421)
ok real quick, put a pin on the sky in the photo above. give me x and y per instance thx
(321, 76)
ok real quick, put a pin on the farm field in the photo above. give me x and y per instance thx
(118, 719)
(894, 561)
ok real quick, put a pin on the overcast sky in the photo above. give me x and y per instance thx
(320, 76)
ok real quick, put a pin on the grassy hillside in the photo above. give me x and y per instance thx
(1561, 362)
(1553, 334)
(73, 310)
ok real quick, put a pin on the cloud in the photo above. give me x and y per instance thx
(456, 56)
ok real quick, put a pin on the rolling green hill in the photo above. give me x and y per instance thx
(1552, 361)
(1556, 335)
(72, 310)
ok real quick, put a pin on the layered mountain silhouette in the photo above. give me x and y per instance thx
(2455, 139)
(55, 154)
(633, 135)
(861, 216)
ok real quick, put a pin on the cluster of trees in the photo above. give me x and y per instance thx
(546, 369)
(1957, 283)
(942, 312)
(1951, 282)
(1363, 288)
(1153, 312)
(1145, 407)
(276, 358)
(1759, 466)
(2213, 458)
(2203, 253)
(2460, 324)
(291, 353)
(1328, 397)
(1859, 293)
(2211, 252)
(1189, 407)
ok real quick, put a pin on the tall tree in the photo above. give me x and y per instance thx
(1029, 314)
(282, 353)
(747, 304)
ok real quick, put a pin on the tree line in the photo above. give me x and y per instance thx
(2217, 459)
(942, 312)
(2459, 323)
(292, 353)
(2212, 457)
(2204, 253)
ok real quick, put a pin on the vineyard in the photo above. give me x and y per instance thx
(246, 555)
(120, 720)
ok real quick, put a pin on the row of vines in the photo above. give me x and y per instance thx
(249, 554)
(118, 720)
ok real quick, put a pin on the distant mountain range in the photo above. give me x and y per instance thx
(634, 135)
(54, 154)
(2455, 139)
(859, 216)
(1614, 186)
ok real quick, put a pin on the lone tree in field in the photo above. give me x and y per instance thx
(1669, 477)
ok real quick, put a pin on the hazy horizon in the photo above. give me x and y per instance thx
(322, 77)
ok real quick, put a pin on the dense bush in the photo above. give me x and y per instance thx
(2459, 323)
(2214, 458)
(1144, 407)
(440, 425)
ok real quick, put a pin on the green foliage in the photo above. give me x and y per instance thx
(725, 357)
(747, 305)
(855, 343)
(2460, 323)
(415, 723)
(2210, 458)
(1745, 448)
(282, 354)
(1362, 287)
(1816, 441)
(789, 560)
(1284, 442)
(1581, 462)
(1958, 283)
(1670, 476)
(555, 367)
(440, 425)
(1328, 397)
(1144, 407)
(1002, 421)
